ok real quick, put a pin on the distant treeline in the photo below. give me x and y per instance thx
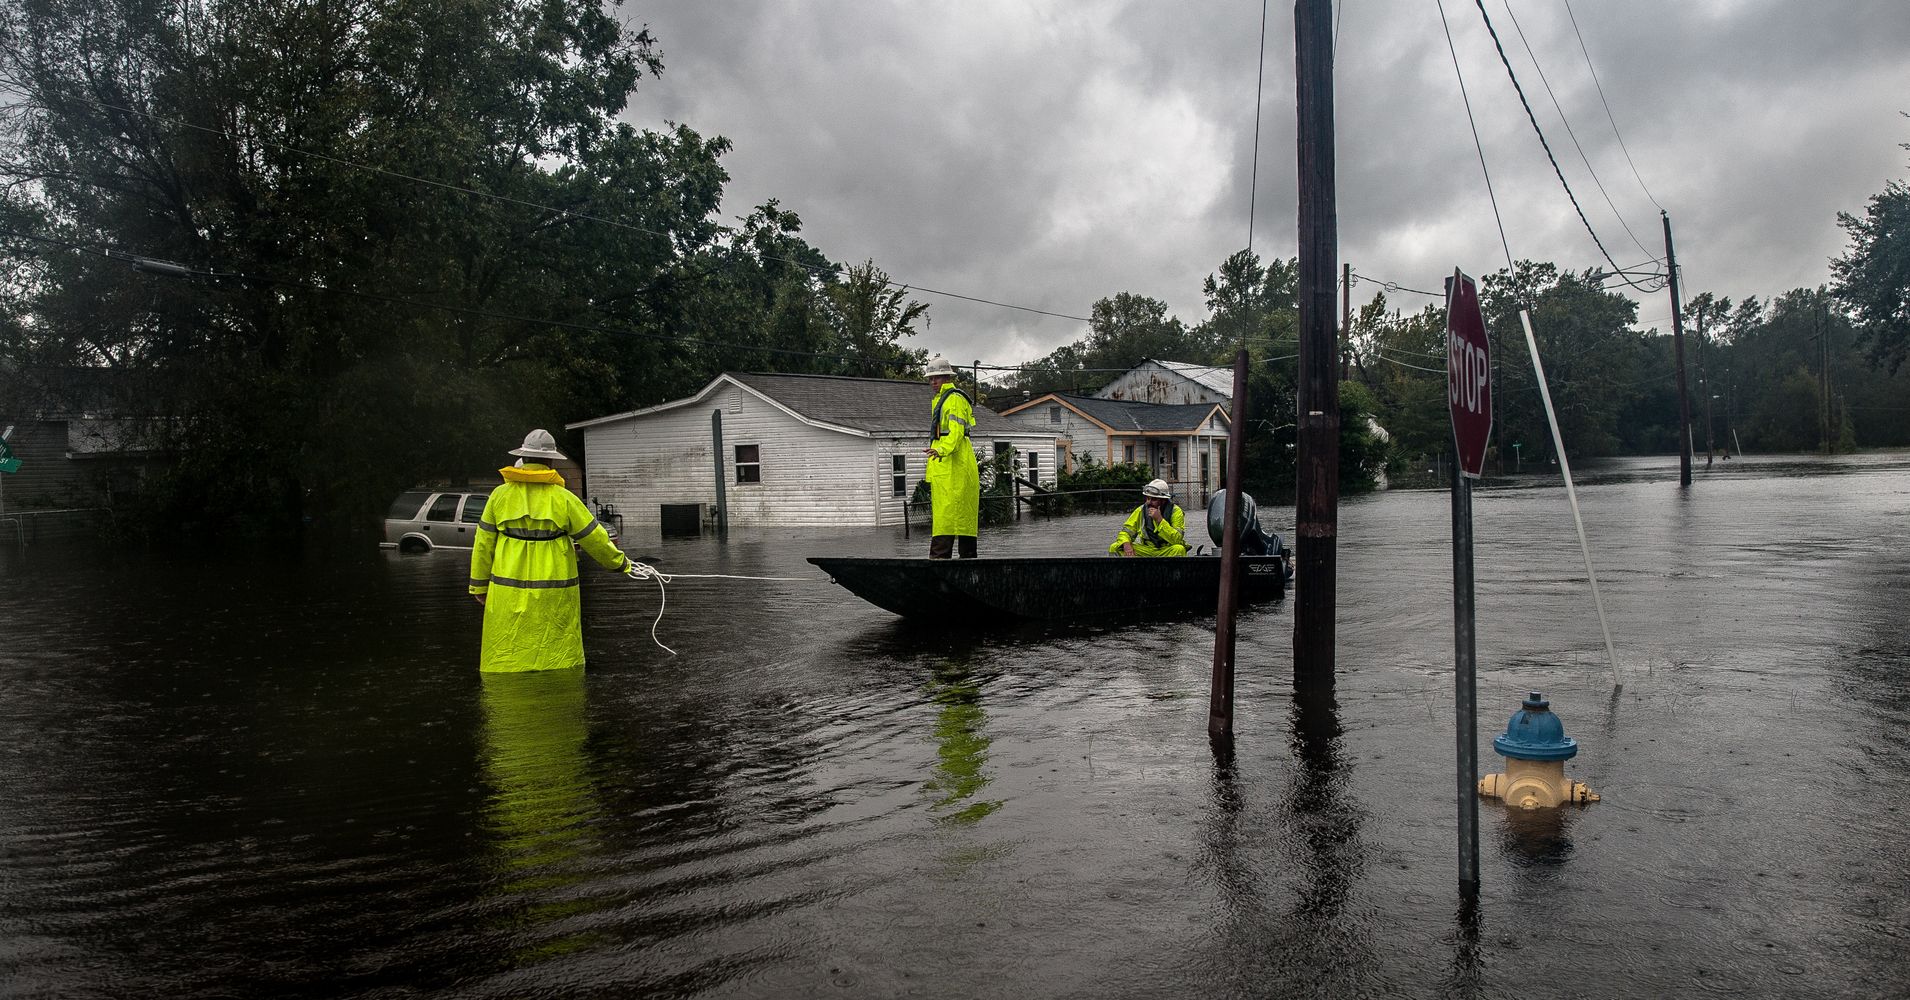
(327, 251)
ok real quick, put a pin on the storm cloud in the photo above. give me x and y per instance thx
(1048, 155)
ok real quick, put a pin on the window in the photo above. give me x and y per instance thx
(1034, 467)
(1054, 414)
(1127, 453)
(474, 507)
(445, 508)
(405, 508)
(1060, 458)
(749, 463)
(898, 475)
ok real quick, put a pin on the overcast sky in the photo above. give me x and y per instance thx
(1048, 154)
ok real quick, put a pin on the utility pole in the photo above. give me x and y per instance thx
(1704, 386)
(1823, 370)
(1678, 341)
(1346, 322)
(1318, 410)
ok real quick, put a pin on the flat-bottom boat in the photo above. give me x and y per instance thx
(1038, 587)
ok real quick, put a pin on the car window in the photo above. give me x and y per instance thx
(474, 507)
(405, 508)
(445, 508)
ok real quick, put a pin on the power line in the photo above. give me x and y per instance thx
(175, 270)
(1394, 286)
(1608, 106)
(1568, 128)
(1496, 44)
(1259, 87)
(1476, 144)
(561, 212)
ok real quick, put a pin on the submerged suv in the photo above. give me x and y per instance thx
(422, 520)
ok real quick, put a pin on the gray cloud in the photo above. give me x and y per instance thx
(1049, 155)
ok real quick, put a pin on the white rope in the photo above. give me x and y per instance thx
(644, 571)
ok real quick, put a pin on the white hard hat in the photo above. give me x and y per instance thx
(539, 444)
(939, 365)
(1158, 490)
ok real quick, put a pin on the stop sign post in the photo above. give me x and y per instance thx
(1469, 396)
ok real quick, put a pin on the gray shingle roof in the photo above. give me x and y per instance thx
(1130, 415)
(876, 405)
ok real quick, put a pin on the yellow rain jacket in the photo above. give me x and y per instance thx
(953, 477)
(1151, 539)
(523, 562)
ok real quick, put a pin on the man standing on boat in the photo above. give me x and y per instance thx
(1156, 528)
(954, 479)
(524, 570)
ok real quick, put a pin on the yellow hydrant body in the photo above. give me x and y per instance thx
(1535, 784)
(1535, 749)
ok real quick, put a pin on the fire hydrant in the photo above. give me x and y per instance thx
(1535, 749)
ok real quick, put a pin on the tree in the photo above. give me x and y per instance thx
(871, 316)
(1873, 276)
(1590, 355)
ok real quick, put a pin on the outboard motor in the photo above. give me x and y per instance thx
(1254, 541)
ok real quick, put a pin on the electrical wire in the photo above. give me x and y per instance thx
(1394, 286)
(1476, 144)
(1568, 129)
(1608, 106)
(1534, 119)
(1259, 87)
(560, 212)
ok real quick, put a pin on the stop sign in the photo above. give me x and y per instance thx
(1468, 374)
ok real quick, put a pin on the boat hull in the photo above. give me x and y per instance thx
(978, 591)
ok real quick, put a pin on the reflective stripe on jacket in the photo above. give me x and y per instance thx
(523, 562)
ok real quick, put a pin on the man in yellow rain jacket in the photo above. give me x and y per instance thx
(523, 569)
(1156, 528)
(954, 479)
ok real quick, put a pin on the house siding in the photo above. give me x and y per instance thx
(1148, 382)
(811, 476)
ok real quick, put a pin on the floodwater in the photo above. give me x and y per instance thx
(282, 775)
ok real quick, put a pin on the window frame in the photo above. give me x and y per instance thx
(450, 513)
(898, 475)
(754, 465)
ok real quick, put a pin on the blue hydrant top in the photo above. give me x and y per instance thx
(1534, 733)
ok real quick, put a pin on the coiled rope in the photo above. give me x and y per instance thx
(644, 571)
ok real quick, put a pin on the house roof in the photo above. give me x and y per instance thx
(1126, 415)
(1220, 380)
(858, 405)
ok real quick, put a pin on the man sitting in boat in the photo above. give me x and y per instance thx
(1155, 528)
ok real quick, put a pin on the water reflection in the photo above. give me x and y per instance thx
(541, 801)
(1317, 808)
(1536, 838)
(961, 750)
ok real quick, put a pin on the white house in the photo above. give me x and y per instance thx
(1172, 382)
(797, 451)
(1183, 444)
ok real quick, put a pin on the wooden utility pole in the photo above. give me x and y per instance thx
(1220, 698)
(1346, 322)
(1317, 506)
(1678, 342)
(1823, 370)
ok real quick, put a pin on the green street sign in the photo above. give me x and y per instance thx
(7, 462)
